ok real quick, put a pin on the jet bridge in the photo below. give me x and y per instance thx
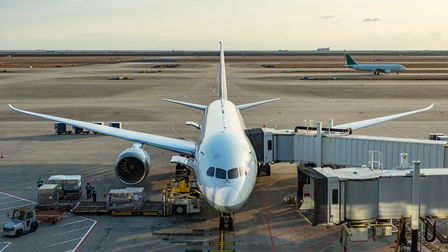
(362, 197)
(335, 147)
(357, 197)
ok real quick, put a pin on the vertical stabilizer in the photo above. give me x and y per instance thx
(350, 61)
(222, 74)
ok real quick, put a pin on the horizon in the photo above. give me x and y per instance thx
(200, 25)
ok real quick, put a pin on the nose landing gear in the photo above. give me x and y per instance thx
(225, 222)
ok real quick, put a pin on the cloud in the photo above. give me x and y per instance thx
(371, 20)
(326, 17)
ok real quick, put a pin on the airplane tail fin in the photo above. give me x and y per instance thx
(350, 61)
(222, 74)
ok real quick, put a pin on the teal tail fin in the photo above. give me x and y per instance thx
(350, 61)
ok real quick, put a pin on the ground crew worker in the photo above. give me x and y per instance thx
(93, 194)
(89, 190)
(40, 182)
(186, 173)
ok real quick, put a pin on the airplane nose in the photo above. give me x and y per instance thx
(228, 198)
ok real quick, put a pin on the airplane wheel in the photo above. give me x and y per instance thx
(268, 170)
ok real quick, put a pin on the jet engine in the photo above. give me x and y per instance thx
(387, 71)
(133, 165)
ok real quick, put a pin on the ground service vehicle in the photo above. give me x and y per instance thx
(22, 222)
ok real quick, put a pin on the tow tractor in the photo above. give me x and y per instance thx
(22, 222)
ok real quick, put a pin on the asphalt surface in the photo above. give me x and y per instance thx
(31, 149)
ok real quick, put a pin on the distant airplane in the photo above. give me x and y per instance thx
(375, 68)
(223, 159)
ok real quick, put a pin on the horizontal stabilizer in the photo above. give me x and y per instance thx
(253, 104)
(193, 105)
(369, 122)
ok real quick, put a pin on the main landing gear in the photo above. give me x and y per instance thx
(225, 222)
(264, 168)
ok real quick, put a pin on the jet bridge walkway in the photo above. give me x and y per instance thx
(332, 147)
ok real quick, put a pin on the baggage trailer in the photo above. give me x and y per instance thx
(78, 130)
(61, 128)
(50, 215)
(88, 207)
(99, 208)
(148, 209)
(69, 186)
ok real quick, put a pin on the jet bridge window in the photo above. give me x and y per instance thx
(211, 172)
(221, 173)
(233, 173)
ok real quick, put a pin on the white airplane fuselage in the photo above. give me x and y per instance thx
(225, 165)
(384, 68)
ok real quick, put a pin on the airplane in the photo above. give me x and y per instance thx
(375, 68)
(223, 159)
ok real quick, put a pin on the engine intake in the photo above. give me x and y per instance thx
(133, 165)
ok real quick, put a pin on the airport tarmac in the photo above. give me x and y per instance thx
(31, 149)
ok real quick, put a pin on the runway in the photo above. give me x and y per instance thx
(31, 149)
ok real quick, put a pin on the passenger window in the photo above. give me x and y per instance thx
(211, 172)
(220, 173)
(233, 173)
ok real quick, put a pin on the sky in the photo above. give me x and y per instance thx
(241, 24)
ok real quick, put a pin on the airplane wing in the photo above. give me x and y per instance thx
(369, 122)
(168, 143)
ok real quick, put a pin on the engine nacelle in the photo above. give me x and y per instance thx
(133, 165)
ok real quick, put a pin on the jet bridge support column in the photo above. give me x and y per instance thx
(318, 144)
(415, 204)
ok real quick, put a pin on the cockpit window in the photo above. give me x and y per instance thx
(242, 171)
(233, 173)
(211, 172)
(220, 173)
